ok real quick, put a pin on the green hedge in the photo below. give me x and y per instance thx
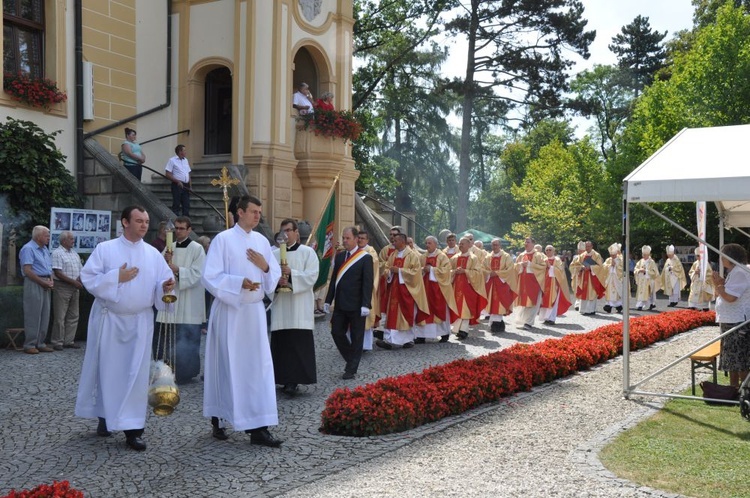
(11, 312)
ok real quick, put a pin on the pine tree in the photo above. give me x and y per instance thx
(639, 50)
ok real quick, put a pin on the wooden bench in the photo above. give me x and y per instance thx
(12, 336)
(705, 359)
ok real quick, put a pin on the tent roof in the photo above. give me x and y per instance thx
(699, 164)
(484, 237)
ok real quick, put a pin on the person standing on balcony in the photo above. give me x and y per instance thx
(302, 100)
(178, 172)
(132, 156)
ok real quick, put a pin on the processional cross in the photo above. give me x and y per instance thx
(225, 181)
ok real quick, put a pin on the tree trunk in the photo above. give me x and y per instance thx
(464, 165)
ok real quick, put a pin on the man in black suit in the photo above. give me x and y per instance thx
(351, 288)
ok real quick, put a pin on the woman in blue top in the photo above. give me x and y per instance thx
(132, 155)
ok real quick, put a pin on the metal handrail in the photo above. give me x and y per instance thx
(165, 136)
(396, 211)
(192, 192)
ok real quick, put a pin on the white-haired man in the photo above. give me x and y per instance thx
(436, 274)
(501, 283)
(646, 280)
(673, 278)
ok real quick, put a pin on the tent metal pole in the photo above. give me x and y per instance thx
(626, 295)
(682, 396)
(688, 355)
(741, 231)
(742, 266)
(721, 241)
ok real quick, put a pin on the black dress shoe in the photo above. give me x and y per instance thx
(136, 443)
(462, 334)
(419, 340)
(290, 389)
(219, 433)
(264, 438)
(101, 429)
(383, 344)
(652, 307)
(408, 345)
(619, 309)
(607, 308)
(444, 338)
(348, 376)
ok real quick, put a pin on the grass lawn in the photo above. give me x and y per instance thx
(688, 448)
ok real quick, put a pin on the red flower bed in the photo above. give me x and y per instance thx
(60, 489)
(397, 404)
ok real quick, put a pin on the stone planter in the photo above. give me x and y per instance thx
(308, 146)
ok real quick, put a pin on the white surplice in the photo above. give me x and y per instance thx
(115, 374)
(239, 380)
(294, 310)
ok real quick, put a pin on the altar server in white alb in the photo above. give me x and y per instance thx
(673, 277)
(186, 261)
(239, 381)
(127, 277)
(292, 315)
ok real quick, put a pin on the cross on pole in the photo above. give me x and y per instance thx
(225, 181)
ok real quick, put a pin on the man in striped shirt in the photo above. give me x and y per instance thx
(66, 267)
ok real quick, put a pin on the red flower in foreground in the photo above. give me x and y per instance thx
(60, 489)
(397, 404)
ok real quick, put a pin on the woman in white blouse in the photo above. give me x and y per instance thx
(733, 308)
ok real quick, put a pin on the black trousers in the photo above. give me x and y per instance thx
(351, 350)
(180, 197)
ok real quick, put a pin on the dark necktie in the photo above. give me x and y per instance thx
(348, 255)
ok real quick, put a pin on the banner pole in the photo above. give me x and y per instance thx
(323, 210)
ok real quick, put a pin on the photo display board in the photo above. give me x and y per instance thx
(90, 227)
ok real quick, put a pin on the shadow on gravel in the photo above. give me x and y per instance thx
(567, 326)
(515, 337)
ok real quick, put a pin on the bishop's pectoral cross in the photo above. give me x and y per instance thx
(225, 181)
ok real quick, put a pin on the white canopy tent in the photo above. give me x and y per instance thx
(697, 164)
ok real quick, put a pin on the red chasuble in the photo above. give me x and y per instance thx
(498, 293)
(400, 301)
(466, 296)
(435, 298)
(528, 286)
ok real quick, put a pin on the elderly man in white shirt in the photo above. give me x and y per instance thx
(178, 172)
(66, 268)
(302, 100)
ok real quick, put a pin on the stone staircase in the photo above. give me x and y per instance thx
(205, 220)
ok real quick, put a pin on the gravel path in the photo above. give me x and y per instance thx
(542, 443)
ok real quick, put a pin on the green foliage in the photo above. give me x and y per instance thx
(603, 94)
(708, 87)
(33, 177)
(640, 51)
(560, 196)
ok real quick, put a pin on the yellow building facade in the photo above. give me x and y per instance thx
(225, 70)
